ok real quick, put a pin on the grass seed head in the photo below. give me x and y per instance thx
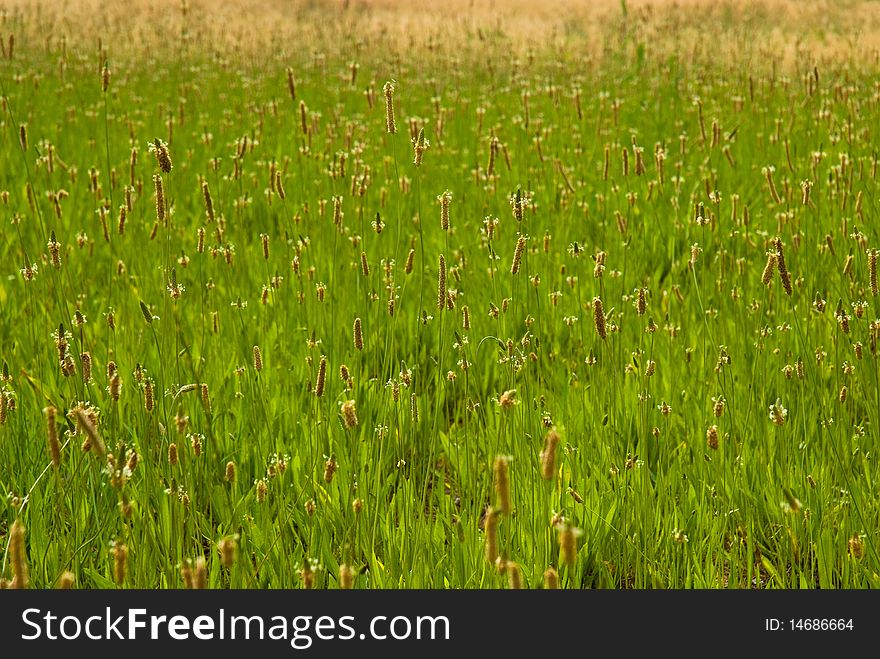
(18, 556)
(420, 145)
(87, 423)
(769, 268)
(227, 548)
(441, 283)
(120, 562)
(52, 434)
(712, 437)
(322, 377)
(781, 266)
(551, 579)
(349, 414)
(599, 317)
(502, 483)
(518, 254)
(159, 189)
(163, 157)
(514, 575)
(346, 574)
(66, 581)
(200, 575)
(388, 91)
(548, 455)
(872, 271)
(330, 467)
(444, 200)
(358, 334)
(491, 527)
(568, 544)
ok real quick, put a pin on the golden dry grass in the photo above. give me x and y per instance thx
(753, 31)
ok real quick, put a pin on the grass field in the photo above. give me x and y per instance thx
(375, 295)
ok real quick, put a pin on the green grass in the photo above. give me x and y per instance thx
(655, 506)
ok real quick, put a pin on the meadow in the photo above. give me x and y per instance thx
(385, 295)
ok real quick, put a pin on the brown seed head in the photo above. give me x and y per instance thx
(346, 574)
(568, 544)
(502, 483)
(322, 377)
(349, 414)
(599, 317)
(52, 433)
(518, 254)
(712, 437)
(227, 547)
(491, 528)
(441, 283)
(163, 157)
(18, 556)
(120, 562)
(548, 455)
(358, 334)
(388, 91)
(200, 576)
(872, 271)
(66, 581)
(784, 275)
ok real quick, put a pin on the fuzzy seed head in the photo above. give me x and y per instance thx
(599, 317)
(568, 544)
(346, 574)
(120, 562)
(349, 414)
(330, 467)
(444, 200)
(227, 548)
(491, 528)
(551, 579)
(66, 581)
(642, 301)
(358, 334)
(420, 145)
(163, 157)
(872, 271)
(388, 91)
(52, 434)
(322, 377)
(18, 556)
(712, 437)
(200, 575)
(502, 483)
(441, 283)
(518, 254)
(781, 266)
(160, 198)
(548, 455)
(769, 268)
